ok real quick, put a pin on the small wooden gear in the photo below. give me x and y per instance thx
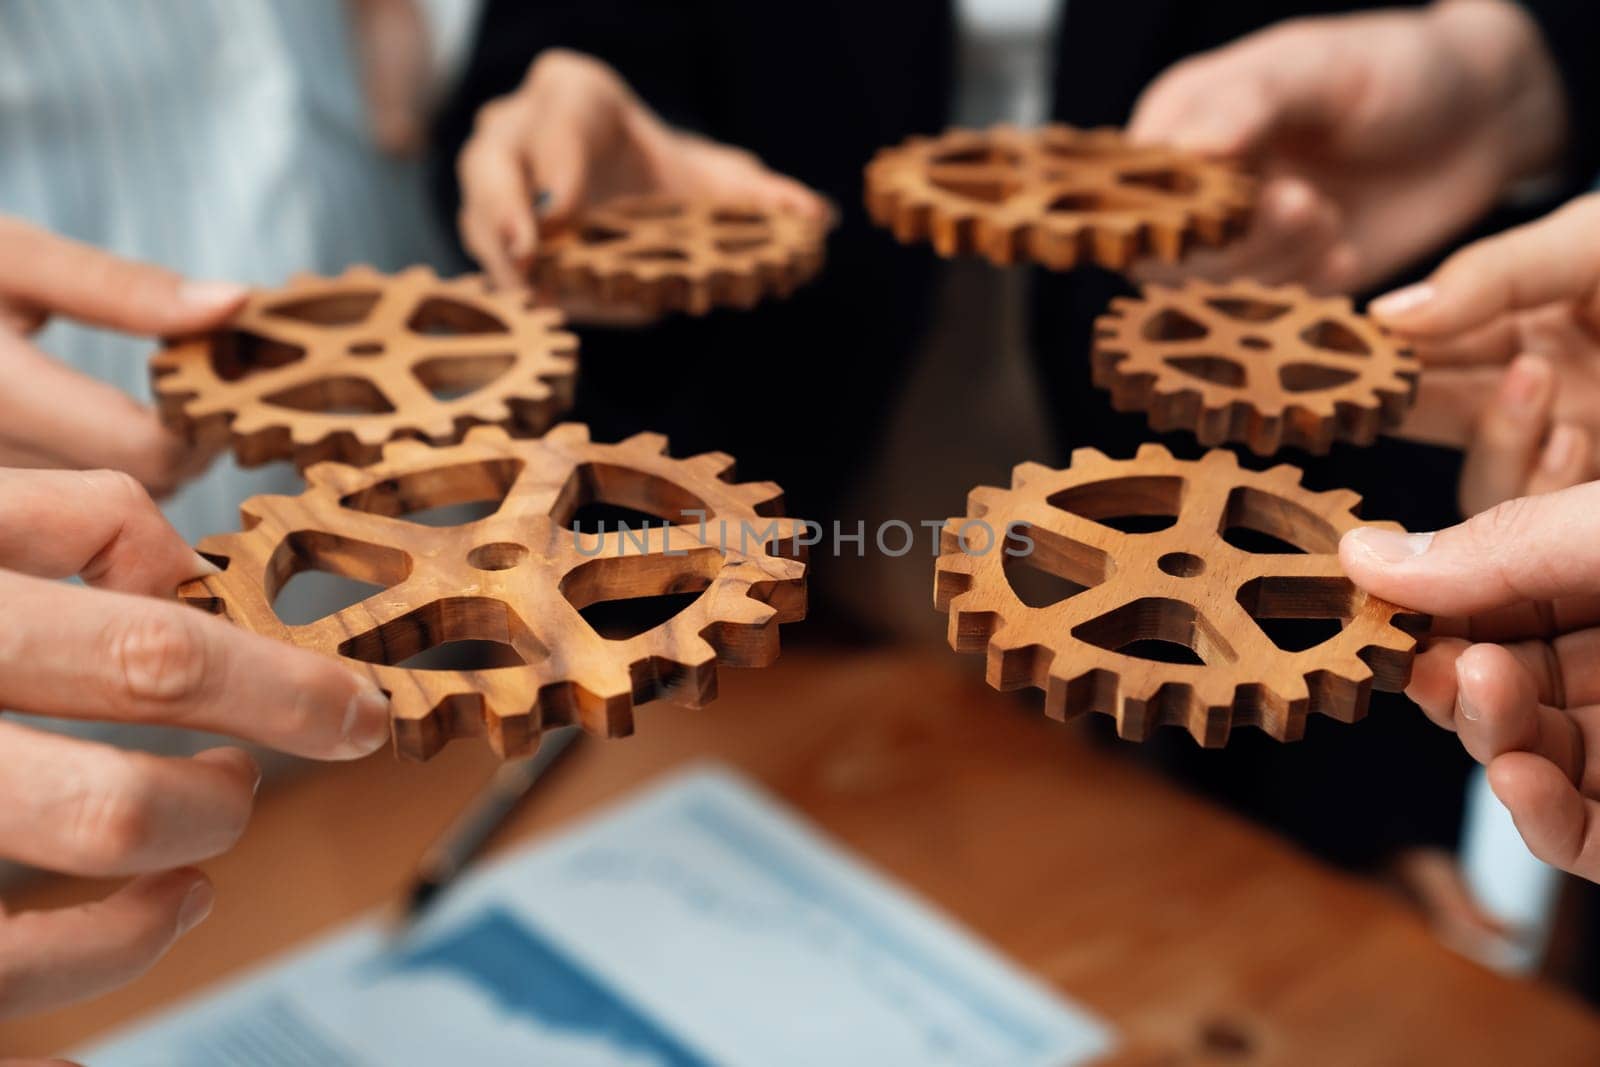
(1056, 195)
(1265, 366)
(1129, 596)
(662, 253)
(520, 577)
(331, 368)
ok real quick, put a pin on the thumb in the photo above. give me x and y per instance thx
(1528, 549)
(1554, 259)
(59, 276)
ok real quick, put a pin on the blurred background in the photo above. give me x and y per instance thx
(251, 140)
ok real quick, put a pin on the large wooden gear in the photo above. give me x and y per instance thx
(332, 368)
(1265, 366)
(1056, 195)
(1185, 585)
(520, 577)
(659, 253)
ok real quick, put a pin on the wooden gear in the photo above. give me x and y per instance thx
(1056, 195)
(520, 577)
(1265, 366)
(1185, 584)
(661, 253)
(331, 368)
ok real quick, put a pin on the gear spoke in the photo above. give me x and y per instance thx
(516, 579)
(1268, 385)
(360, 619)
(961, 192)
(657, 254)
(1182, 586)
(355, 387)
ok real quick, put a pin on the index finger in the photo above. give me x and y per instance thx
(1554, 259)
(1528, 549)
(54, 274)
(89, 653)
(98, 524)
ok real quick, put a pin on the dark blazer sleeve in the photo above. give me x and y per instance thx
(1571, 31)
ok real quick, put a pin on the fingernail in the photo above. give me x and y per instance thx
(1561, 451)
(196, 906)
(204, 568)
(1391, 546)
(1465, 708)
(206, 294)
(366, 722)
(1403, 301)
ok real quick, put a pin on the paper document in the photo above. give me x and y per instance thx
(696, 924)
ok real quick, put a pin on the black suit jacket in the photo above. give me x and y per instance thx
(798, 389)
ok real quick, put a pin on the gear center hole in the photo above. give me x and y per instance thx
(497, 556)
(1182, 564)
(366, 348)
(1255, 343)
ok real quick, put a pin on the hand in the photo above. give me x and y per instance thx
(1529, 297)
(1517, 448)
(396, 72)
(1514, 667)
(574, 134)
(1378, 136)
(53, 416)
(115, 652)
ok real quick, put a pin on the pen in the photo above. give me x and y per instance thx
(445, 859)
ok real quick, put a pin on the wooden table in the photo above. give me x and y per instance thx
(1204, 940)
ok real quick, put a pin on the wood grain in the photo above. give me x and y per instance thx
(520, 577)
(332, 368)
(1267, 366)
(1204, 941)
(1055, 195)
(656, 254)
(1185, 585)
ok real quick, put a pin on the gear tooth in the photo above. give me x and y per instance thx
(368, 433)
(1087, 457)
(1283, 474)
(716, 464)
(1149, 452)
(1341, 500)
(336, 476)
(758, 493)
(1220, 458)
(439, 431)
(1024, 474)
(956, 563)
(403, 449)
(654, 443)
(492, 411)
(304, 434)
(1008, 638)
(254, 420)
(983, 499)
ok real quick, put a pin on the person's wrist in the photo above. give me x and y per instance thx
(1503, 51)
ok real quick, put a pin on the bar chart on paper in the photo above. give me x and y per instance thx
(699, 924)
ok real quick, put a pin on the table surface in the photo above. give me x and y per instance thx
(1204, 940)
